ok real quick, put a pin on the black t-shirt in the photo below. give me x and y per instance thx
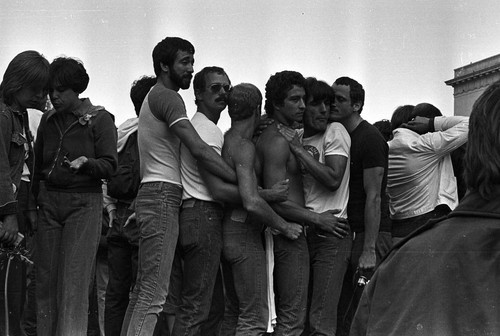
(368, 150)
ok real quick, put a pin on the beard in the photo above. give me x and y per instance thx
(182, 82)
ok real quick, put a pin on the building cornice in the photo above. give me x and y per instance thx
(473, 75)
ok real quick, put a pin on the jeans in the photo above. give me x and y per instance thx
(199, 246)
(157, 213)
(329, 258)
(291, 280)
(16, 286)
(351, 292)
(123, 247)
(245, 278)
(68, 233)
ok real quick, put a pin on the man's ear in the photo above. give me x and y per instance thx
(197, 94)
(165, 68)
(356, 107)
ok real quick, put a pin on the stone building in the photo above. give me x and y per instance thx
(471, 80)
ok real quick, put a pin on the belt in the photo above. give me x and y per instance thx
(192, 202)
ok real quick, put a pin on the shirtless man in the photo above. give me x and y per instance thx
(244, 254)
(285, 104)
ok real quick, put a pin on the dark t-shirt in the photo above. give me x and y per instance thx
(368, 150)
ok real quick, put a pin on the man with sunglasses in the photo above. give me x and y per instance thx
(200, 237)
(163, 126)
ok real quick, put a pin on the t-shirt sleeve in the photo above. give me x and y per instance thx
(338, 141)
(374, 151)
(210, 134)
(167, 105)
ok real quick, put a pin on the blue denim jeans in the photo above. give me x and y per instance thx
(329, 258)
(123, 247)
(157, 213)
(199, 246)
(69, 227)
(244, 272)
(291, 281)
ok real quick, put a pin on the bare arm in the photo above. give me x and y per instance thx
(223, 191)
(329, 174)
(372, 180)
(244, 160)
(275, 169)
(206, 155)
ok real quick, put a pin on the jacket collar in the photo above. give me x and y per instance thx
(85, 108)
(474, 204)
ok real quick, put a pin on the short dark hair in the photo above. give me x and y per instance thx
(27, 69)
(319, 90)
(426, 110)
(356, 91)
(139, 90)
(278, 86)
(166, 51)
(384, 127)
(200, 79)
(482, 156)
(243, 100)
(401, 115)
(69, 73)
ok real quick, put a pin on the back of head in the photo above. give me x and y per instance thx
(384, 127)
(139, 90)
(318, 90)
(482, 157)
(69, 73)
(426, 110)
(27, 69)
(243, 101)
(401, 115)
(356, 92)
(166, 51)
(278, 86)
(200, 79)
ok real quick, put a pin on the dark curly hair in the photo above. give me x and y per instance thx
(278, 86)
(139, 90)
(69, 73)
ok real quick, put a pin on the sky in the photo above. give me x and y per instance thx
(401, 51)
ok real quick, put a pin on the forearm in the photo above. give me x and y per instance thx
(372, 222)
(295, 213)
(322, 173)
(214, 164)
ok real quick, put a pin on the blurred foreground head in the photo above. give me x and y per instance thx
(482, 158)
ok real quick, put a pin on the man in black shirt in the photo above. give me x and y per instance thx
(367, 209)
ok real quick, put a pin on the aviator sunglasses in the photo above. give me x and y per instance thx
(215, 88)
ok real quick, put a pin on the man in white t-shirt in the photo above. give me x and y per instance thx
(323, 152)
(200, 231)
(163, 126)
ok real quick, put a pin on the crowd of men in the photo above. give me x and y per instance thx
(274, 227)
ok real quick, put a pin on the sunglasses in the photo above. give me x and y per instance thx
(215, 88)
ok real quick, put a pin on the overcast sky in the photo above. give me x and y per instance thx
(402, 51)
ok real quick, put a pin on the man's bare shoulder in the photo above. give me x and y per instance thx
(271, 142)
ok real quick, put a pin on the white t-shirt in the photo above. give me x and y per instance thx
(158, 145)
(192, 183)
(34, 117)
(334, 141)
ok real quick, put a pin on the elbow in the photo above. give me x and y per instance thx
(333, 184)
(251, 206)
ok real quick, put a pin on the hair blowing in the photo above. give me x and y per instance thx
(482, 157)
